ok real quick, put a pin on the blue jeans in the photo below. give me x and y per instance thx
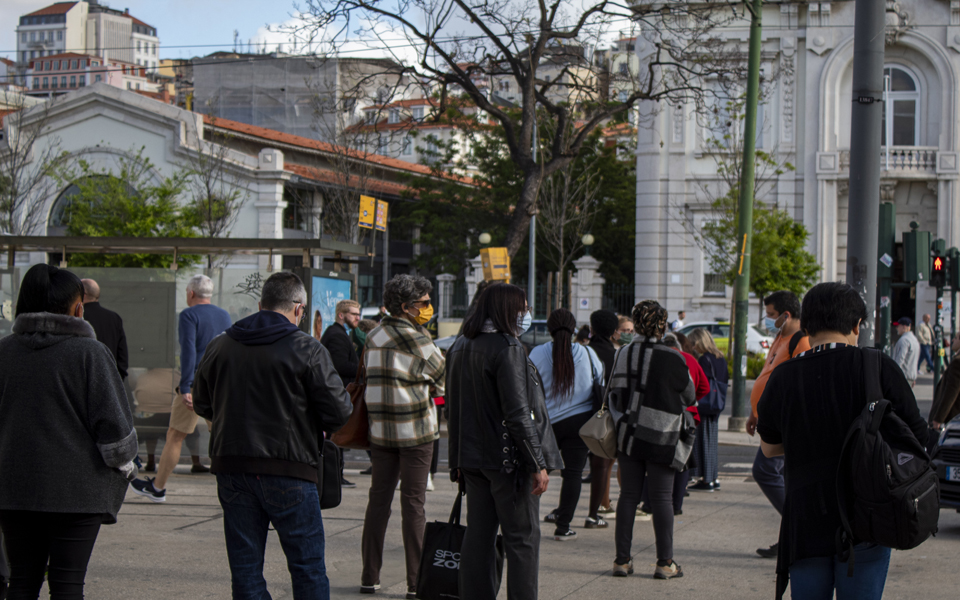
(816, 578)
(251, 503)
(926, 356)
(768, 473)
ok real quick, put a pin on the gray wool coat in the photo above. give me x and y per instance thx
(65, 423)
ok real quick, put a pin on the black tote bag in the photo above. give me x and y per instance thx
(439, 576)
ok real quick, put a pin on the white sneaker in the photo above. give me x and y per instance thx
(430, 487)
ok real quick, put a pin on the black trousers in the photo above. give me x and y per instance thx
(574, 453)
(34, 540)
(635, 474)
(501, 501)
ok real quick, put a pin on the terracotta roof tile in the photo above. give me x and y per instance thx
(54, 9)
(4, 113)
(7, 62)
(328, 176)
(296, 140)
(137, 21)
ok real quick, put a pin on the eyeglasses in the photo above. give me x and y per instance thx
(355, 314)
(420, 302)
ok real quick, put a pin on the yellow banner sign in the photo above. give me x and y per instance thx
(382, 215)
(496, 264)
(367, 210)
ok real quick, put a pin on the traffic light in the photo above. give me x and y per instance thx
(938, 271)
(953, 266)
(916, 254)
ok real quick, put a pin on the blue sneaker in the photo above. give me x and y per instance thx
(144, 487)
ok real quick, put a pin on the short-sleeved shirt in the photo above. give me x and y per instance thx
(808, 406)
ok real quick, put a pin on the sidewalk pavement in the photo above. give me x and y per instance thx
(176, 550)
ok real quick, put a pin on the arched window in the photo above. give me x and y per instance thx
(901, 111)
(60, 213)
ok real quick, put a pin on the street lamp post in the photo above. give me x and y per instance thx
(484, 238)
(588, 241)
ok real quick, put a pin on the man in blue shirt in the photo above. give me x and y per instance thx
(199, 323)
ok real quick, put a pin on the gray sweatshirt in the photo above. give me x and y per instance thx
(65, 423)
(907, 355)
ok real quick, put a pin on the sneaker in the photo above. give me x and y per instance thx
(199, 469)
(563, 536)
(677, 512)
(430, 487)
(144, 487)
(770, 552)
(597, 523)
(716, 484)
(588, 478)
(551, 518)
(411, 596)
(669, 572)
(151, 467)
(606, 510)
(622, 570)
(643, 515)
(367, 471)
(369, 589)
(701, 486)
(346, 484)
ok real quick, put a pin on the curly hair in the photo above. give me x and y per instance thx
(649, 318)
(404, 289)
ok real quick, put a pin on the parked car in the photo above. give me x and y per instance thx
(946, 460)
(758, 342)
(536, 335)
(444, 343)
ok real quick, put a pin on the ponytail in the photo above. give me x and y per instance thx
(46, 288)
(561, 324)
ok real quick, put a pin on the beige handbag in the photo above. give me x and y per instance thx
(599, 433)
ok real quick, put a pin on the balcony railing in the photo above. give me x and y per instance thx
(920, 160)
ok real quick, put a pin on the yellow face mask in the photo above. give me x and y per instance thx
(425, 315)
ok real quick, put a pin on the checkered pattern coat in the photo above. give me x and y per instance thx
(402, 365)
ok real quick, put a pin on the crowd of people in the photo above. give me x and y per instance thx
(270, 393)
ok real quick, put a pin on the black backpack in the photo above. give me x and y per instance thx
(886, 488)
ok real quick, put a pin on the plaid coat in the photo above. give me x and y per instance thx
(402, 365)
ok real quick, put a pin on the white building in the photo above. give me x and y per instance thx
(89, 28)
(69, 71)
(808, 54)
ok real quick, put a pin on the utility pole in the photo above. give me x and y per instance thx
(865, 123)
(741, 408)
(532, 267)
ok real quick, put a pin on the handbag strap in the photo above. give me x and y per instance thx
(458, 503)
(361, 376)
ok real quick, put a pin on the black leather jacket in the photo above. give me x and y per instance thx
(498, 416)
(268, 404)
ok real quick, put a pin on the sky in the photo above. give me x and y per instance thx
(182, 25)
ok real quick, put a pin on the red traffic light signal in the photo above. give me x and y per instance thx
(938, 272)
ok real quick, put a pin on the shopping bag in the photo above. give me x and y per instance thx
(439, 575)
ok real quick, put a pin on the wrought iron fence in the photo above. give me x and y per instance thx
(459, 301)
(619, 297)
(713, 284)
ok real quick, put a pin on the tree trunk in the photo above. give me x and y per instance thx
(520, 222)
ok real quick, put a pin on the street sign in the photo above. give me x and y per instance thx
(368, 207)
(382, 215)
(496, 264)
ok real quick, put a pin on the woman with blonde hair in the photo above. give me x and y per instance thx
(715, 367)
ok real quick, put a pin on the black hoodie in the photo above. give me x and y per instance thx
(270, 391)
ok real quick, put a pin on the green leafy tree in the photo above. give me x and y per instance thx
(128, 202)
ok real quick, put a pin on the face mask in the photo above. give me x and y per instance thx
(771, 324)
(425, 315)
(625, 338)
(524, 322)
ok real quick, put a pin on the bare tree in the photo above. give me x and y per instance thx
(545, 50)
(215, 191)
(28, 160)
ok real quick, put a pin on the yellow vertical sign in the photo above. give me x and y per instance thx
(368, 206)
(382, 215)
(496, 264)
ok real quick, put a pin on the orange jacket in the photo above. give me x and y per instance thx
(779, 353)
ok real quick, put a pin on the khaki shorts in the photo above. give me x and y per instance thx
(182, 418)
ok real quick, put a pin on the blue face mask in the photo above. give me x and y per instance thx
(524, 322)
(770, 325)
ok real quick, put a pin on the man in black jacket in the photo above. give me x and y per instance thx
(106, 324)
(271, 391)
(336, 339)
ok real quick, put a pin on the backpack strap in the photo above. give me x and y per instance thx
(794, 342)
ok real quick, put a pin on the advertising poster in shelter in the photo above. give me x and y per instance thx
(327, 292)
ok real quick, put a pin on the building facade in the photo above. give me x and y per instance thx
(87, 28)
(62, 73)
(804, 119)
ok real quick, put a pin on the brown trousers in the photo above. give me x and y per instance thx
(599, 483)
(410, 466)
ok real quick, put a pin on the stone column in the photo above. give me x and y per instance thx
(270, 203)
(445, 295)
(474, 276)
(586, 293)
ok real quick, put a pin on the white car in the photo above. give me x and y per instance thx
(758, 342)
